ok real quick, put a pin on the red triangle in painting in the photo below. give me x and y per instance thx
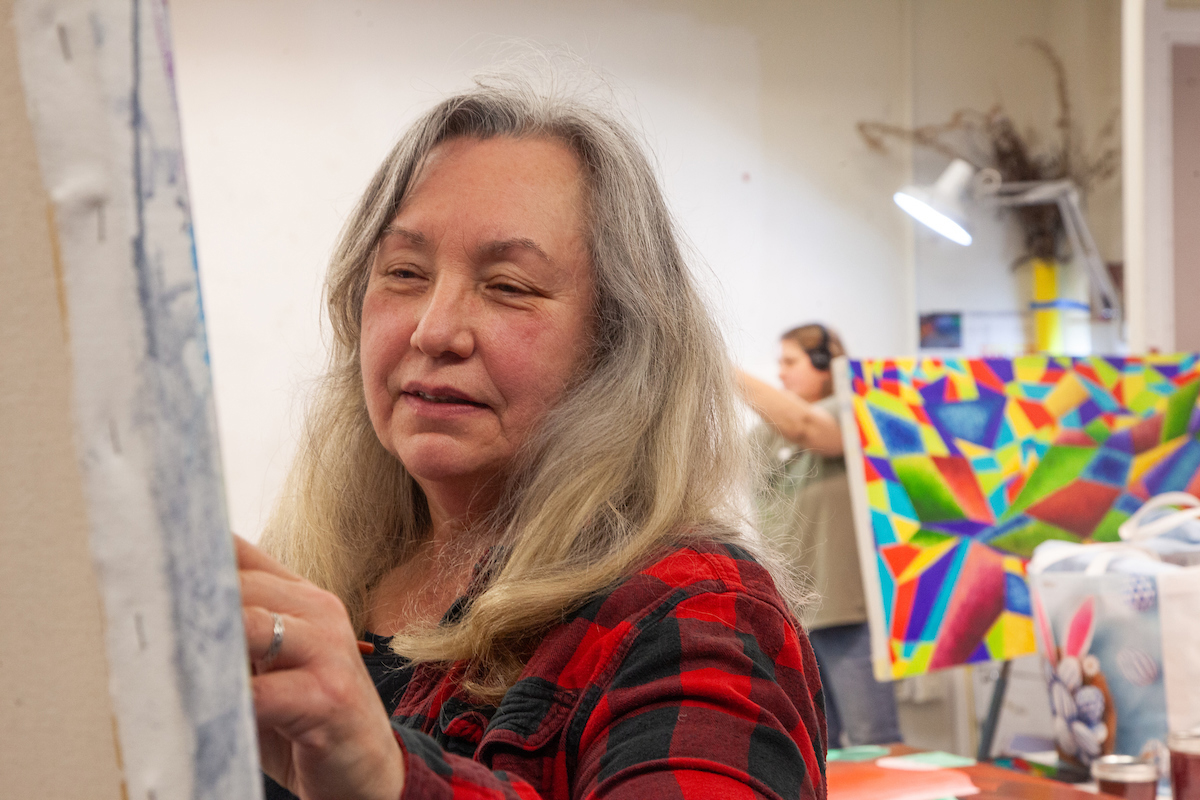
(984, 375)
(964, 486)
(1147, 433)
(919, 413)
(1075, 438)
(899, 556)
(1078, 507)
(1039, 417)
(951, 392)
(1014, 487)
(872, 474)
(1089, 372)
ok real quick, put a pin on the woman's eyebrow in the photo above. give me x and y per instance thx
(491, 251)
(414, 238)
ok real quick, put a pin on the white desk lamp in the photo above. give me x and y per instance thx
(940, 208)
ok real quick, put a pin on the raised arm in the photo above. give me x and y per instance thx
(802, 423)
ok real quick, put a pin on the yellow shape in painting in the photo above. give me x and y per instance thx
(877, 496)
(1029, 369)
(965, 386)
(891, 404)
(1018, 634)
(972, 450)
(1108, 374)
(1022, 428)
(934, 445)
(909, 394)
(918, 664)
(1134, 384)
(866, 425)
(1148, 459)
(1014, 566)
(1069, 394)
(927, 556)
(904, 527)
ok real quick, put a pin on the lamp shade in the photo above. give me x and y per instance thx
(940, 206)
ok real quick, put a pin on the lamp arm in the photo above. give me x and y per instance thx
(1065, 195)
(1084, 246)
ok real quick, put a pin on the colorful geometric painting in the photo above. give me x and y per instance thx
(966, 465)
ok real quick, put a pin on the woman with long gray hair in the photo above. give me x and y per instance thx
(516, 497)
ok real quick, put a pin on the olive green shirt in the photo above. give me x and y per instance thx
(804, 510)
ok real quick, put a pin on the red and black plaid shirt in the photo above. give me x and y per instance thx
(691, 679)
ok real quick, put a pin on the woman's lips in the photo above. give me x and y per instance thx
(440, 404)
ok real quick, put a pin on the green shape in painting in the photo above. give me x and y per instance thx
(928, 538)
(1106, 531)
(1107, 373)
(1098, 430)
(1179, 411)
(925, 486)
(1061, 465)
(1022, 541)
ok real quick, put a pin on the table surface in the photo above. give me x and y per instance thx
(998, 783)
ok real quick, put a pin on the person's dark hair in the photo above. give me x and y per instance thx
(820, 343)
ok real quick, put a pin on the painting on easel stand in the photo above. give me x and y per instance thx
(960, 467)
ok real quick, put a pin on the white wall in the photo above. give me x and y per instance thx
(288, 106)
(975, 55)
(750, 108)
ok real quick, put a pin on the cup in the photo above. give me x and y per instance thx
(1185, 764)
(1126, 776)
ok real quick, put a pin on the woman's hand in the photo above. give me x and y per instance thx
(322, 730)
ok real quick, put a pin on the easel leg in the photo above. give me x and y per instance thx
(988, 733)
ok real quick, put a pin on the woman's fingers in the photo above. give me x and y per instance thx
(250, 557)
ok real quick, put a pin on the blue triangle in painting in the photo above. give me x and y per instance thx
(958, 527)
(1175, 472)
(1121, 440)
(1016, 594)
(976, 421)
(1168, 371)
(900, 436)
(1127, 503)
(884, 468)
(981, 654)
(929, 586)
(1001, 368)
(1110, 466)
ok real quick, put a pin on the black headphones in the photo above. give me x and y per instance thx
(820, 355)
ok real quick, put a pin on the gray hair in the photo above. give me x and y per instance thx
(643, 452)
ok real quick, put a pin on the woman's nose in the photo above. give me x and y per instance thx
(444, 327)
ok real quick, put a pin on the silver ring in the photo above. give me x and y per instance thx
(276, 640)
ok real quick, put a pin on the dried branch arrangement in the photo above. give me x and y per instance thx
(991, 139)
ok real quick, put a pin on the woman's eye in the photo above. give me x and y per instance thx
(508, 288)
(403, 272)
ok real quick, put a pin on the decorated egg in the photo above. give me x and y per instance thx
(1070, 672)
(1061, 701)
(1140, 593)
(1085, 737)
(1090, 703)
(1137, 667)
(1062, 735)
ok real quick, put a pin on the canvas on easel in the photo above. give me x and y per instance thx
(98, 84)
(960, 467)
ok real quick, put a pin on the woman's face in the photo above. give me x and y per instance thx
(477, 311)
(799, 376)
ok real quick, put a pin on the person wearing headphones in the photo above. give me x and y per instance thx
(804, 510)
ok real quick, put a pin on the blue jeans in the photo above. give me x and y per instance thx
(854, 701)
